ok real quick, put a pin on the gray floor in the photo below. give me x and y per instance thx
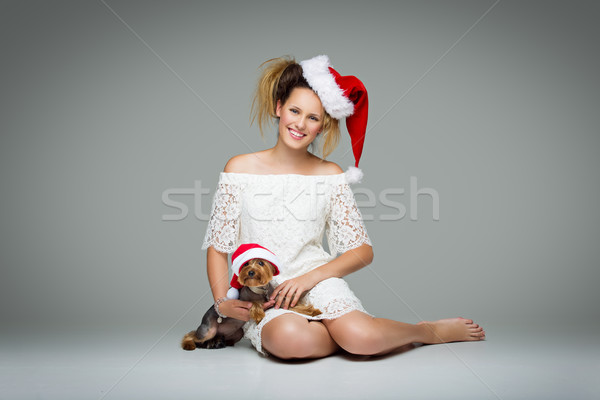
(516, 362)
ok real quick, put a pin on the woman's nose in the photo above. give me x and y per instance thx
(301, 122)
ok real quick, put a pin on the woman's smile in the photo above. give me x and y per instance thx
(295, 134)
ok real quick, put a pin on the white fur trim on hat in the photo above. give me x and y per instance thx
(250, 254)
(317, 74)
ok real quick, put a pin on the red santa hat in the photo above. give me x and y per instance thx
(342, 97)
(244, 253)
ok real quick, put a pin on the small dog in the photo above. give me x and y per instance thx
(255, 278)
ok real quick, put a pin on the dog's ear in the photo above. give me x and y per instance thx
(273, 270)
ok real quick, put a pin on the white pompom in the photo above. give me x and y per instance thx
(354, 175)
(233, 293)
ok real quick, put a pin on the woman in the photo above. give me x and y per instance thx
(286, 198)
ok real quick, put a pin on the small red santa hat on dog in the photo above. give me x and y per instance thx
(244, 253)
(342, 97)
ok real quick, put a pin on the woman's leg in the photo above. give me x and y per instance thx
(359, 333)
(292, 336)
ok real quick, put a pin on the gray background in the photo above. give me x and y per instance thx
(105, 106)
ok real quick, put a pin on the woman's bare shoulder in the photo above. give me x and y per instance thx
(329, 168)
(237, 163)
(242, 163)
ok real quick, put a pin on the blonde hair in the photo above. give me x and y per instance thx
(279, 77)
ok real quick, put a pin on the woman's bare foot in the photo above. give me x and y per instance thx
(452, 330)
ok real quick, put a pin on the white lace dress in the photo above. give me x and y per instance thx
(289, 214)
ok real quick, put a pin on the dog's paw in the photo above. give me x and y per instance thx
(306, 309)
(257, 313)
(258, 318)
(217, 342)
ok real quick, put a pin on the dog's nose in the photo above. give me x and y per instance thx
(250, 274)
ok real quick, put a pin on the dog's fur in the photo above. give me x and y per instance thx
(256, 274)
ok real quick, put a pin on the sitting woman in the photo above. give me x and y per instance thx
(286, 199)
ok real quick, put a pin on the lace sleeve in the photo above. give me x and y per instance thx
(345, 227)
(223, 225)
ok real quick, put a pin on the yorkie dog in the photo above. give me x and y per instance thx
(216, 333)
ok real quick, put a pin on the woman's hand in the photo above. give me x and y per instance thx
(289, 292)
(236, 309)
(268, 304)
(240, 309)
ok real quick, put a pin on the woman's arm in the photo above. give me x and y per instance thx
(218, 278)
(218, 275)
(290, 291)
(345, 264)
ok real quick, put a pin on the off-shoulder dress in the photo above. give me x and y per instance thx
(289, 214)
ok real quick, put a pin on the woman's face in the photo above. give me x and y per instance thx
(300, 118)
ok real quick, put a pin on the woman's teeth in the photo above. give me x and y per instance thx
(296, 134)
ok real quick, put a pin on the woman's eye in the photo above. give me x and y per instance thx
(315, 119)
(294, 111)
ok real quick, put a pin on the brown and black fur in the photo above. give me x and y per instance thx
(256, 273)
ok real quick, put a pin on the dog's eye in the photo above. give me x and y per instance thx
(246, 263)
(261, 263)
